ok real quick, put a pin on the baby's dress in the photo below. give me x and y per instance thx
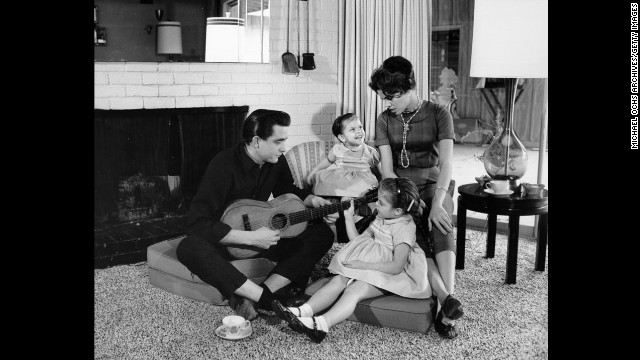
(348, 175)
(376, 245)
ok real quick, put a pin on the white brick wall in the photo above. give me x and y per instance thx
(309, 98)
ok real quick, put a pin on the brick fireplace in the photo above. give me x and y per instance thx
(310, 99)
(147, 167)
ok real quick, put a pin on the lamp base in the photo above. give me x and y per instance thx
(506, 158)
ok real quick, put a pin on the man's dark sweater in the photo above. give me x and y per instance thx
(230, 176)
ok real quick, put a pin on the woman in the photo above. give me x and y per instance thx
(415, 140)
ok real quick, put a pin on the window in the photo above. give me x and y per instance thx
(238, 32)
(132, 27)
(445, 50)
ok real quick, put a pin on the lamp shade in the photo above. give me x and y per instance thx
(169, 38)
(510, 39)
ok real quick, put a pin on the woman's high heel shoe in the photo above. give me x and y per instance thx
(452, 308)
(446, 331)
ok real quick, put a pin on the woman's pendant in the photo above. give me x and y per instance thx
(404, 155)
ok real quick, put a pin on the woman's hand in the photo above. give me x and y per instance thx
(357, 264)
(439, 217)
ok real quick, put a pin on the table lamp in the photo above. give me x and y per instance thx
(169, 39)
(509, 42)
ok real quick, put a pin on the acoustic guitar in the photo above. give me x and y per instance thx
(286, 213)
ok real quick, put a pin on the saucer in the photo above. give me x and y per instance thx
(223, 332)
(491, 192)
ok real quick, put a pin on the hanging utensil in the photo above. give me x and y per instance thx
(307, 58)
(289, 65)
(299, 63)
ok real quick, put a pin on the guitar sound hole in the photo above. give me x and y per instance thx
(279, 221)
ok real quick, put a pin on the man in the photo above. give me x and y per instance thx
(252, 170)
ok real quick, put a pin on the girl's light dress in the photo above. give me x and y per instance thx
(349, 174)
(376, 244)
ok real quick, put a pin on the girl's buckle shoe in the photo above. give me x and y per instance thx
(286, 315)
(315, 334)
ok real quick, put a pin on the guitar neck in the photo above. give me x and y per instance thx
(316, 213)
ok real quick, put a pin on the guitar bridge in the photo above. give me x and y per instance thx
(245, 220)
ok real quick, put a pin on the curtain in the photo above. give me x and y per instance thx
(369, 31)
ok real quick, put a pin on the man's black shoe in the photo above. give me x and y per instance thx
(244, 307)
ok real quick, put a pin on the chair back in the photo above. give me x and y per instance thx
(303, 157)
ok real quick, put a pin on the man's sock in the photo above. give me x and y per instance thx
(320, 322)
(303, 310)
(265, 299)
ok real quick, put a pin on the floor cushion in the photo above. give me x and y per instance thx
(166, 272)
(389, 310)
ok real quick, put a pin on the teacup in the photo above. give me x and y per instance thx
(236, 324)
(498, 186)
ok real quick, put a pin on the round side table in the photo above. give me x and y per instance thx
(472, 197)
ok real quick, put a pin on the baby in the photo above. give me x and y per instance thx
(346, 171)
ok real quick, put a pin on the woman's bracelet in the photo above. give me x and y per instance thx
(441, 188)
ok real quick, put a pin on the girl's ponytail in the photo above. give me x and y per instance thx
(405, 195)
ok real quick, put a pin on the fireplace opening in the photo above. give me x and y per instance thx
(147, 167)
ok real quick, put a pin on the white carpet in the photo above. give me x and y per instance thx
(135, 320)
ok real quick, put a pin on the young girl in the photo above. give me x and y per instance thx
(384, 259)
(346, 171)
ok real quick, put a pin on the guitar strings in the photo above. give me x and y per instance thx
(300, 216)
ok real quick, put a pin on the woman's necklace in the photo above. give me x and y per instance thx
(405, 128)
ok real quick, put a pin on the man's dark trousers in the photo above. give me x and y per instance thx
(295, 258)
